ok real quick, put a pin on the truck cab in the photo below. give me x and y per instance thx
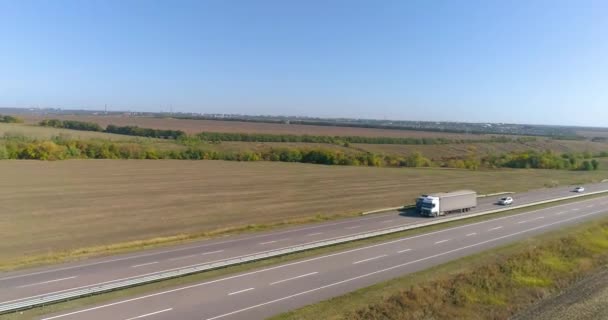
(430, 207)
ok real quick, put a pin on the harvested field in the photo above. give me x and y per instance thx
(37, 132)
(52, 206)
(196, 126)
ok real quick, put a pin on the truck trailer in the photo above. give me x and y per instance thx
(439, 204)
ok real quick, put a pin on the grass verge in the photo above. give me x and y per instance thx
(495, 284)
(130, 292)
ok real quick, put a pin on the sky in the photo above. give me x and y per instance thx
(528, 61)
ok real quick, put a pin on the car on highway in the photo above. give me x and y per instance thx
(579, 189)
(505, 201)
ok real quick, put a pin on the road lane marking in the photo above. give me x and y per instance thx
(294, 278)
(495, 228)
(45, 282)
(144, 264)
(314, 234)
(373, 217)
(304, 261)
(590, 206)
(405, 250)
(442, 241)
(370, 259)
(577, 209)
(240, 291)
(183, 257)
(315, 259)
(353, 227)
(195, 255)
(150, 314)
(560, 213)
(273, 241)
(387, 221)
(392, 268)
(471, 234)
(537, 218)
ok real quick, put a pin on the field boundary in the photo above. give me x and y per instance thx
(28, 303)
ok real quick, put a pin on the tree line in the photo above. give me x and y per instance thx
(260, 137)
(60, 148)
(125, 130)
(10, 119)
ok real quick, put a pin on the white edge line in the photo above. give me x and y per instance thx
(382, 216)
(45, 282)
(405, 250)
(363, 248)
(295, 263)
(195, 247)
(393, 267)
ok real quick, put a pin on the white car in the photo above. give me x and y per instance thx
(579, 189)
(505, 201)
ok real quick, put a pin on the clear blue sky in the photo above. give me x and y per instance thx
(502, 61)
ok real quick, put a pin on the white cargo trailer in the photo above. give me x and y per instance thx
(439, 204)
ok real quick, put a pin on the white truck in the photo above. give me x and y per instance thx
(439, 204)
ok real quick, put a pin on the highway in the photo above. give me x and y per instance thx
(18, 286)
(260, 293)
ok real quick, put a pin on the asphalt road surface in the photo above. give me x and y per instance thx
(264, 292)
(17, 286)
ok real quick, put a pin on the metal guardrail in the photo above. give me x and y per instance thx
(42, 300)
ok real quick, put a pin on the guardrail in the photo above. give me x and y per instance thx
(42, 300)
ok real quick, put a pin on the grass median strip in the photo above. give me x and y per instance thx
(495, 284)
(257, 264)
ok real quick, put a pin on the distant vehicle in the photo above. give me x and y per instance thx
(579, 189)
(439, 204)
(506, 201)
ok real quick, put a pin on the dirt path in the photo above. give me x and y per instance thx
(586, 300)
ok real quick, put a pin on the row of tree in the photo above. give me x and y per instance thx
(10, 119)
(71, 124)
(259, 137)
(126, 130)
(64, 148)
(145, 132)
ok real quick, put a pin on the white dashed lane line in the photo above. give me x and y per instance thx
(370, 259)
(240, 291)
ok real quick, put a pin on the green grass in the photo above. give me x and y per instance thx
(462, 264)
(495, 284)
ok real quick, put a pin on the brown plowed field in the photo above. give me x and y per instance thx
(196, 126)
